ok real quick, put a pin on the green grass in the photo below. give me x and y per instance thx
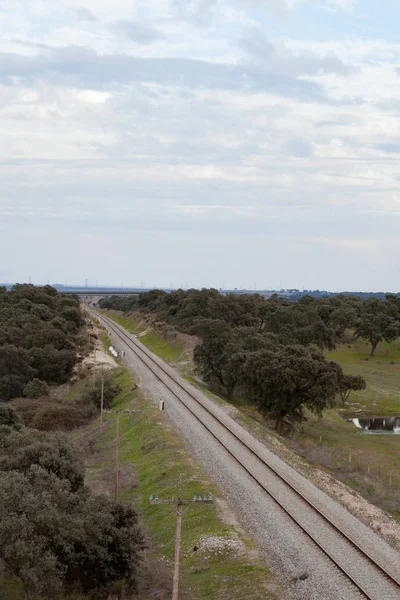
(151, 450)
(171, 352)
(381, 398)
(381, 372)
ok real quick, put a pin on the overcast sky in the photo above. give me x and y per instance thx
(200, 142)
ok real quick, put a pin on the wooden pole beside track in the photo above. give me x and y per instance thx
(175, 583)
(179, 503)
(117, 460)
(102, 402)
(94, 364)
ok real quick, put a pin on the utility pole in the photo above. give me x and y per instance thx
(94, 364)
(206, 499)
(117, 460)
(175, 581)
(102, 402)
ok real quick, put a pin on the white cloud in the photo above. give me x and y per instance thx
(137, 32)
(281, 58)
(85, 14)
(340, 5)
(329, 5)
(186, 136)
(203, 11)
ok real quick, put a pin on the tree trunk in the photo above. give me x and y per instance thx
(220, 379)
(229, 391)
(373, 348)
(279, 422)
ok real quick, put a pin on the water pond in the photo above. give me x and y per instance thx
(378, 424)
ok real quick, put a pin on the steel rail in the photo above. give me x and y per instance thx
(121, 334)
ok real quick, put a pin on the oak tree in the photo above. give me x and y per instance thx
(282, 383)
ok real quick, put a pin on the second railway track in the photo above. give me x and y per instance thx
(383, 585)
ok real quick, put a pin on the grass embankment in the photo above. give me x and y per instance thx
(374, 469)
(153, 461)
(170, 351)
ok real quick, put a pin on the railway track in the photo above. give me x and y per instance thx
(377, 572)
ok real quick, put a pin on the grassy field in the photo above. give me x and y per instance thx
(381, 398)
(369, 462)
(153, 461)
(381, 372)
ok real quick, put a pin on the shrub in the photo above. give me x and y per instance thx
(111, 390)
(36, 388)
(11, 386)
(51, 451)
(61, 417)
(8, 416)
(58, 542)
(52, 365)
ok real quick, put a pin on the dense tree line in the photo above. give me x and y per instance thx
(320, 321)
(38, 339)
(56, 536)
(297, 294)
(271, 349)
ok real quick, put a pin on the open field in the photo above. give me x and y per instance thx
(370, 463)
(381, 372)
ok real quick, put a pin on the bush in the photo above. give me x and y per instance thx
(10, 387)
(111, 390)
(53, 414)
(51, 451)
(52, 365)
(36, 389)
(59, 542)
(8, 416)
(61, 417)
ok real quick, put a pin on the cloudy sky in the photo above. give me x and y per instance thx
(200, 142)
